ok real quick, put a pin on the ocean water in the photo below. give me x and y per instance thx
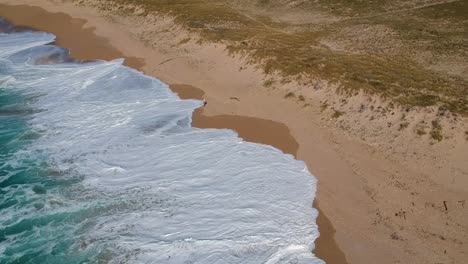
(100, 164)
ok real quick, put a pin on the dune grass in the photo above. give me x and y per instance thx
(297, 54)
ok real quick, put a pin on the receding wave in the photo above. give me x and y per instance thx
(100, 164)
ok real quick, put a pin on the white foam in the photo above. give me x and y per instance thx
(201, 195)
(13, 43)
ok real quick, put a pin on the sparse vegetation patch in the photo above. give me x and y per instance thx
(395, 50)
(436, 132)
(337, 114)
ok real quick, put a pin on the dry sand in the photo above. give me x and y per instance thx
(377, 206)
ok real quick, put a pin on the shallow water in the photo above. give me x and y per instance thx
(99, 164)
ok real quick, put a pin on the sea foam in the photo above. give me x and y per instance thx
(151, 188)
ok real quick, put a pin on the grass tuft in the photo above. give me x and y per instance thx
(436, 132)
(337, 114)
(290, 95)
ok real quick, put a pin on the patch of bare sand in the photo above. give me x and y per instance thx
(391, 196)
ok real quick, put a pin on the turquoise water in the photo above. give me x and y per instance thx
(31, 229)
(41, 221)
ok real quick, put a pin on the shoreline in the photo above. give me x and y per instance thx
(250, 129)
(366, 183)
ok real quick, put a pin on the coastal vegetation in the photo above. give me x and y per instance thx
(413, 53)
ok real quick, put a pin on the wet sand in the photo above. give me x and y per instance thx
(84, 44)
(249, 128)
(271, 133)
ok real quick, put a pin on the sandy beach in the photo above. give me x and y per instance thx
(380, 199)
